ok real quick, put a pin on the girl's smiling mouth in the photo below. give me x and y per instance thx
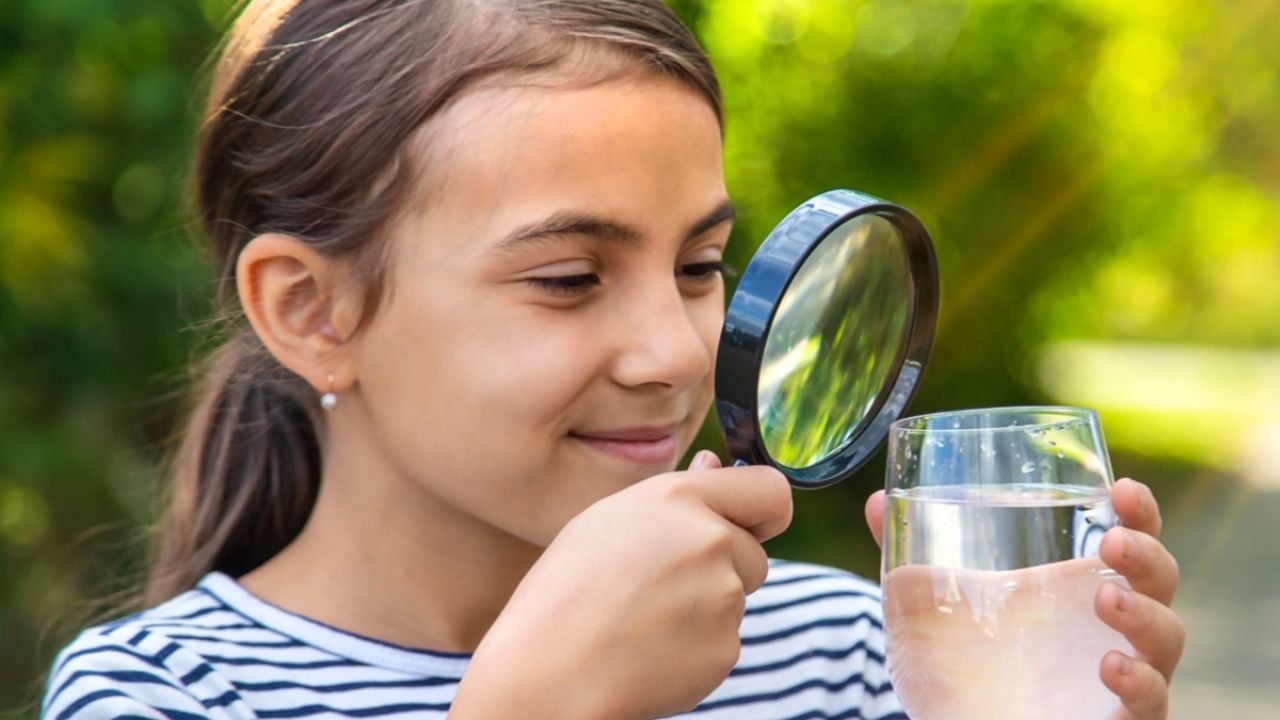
(647, 445)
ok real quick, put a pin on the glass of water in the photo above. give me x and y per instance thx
(992, 527)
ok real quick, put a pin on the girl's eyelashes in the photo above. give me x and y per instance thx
(580, 283)
(567, 284)
(705, 270)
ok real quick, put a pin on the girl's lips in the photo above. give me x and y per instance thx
(646, 448)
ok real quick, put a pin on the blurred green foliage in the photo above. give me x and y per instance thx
(1091, 170)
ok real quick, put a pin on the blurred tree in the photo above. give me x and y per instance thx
(1089, 170)
(98, 280)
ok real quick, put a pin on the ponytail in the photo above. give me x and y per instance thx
(246, 475)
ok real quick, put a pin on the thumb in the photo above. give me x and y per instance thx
(704, 460)
(875, 516)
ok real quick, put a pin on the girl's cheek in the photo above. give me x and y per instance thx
(708, 314)
(556, 358)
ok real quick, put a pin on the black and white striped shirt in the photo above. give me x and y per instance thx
(812, 647)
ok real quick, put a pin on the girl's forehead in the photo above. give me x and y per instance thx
(639, 147)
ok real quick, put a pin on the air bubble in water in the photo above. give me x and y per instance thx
(1061, 454)
(1028, 467)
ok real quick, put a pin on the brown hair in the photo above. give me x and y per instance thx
(308, 132)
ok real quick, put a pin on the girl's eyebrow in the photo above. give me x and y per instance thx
(724, 212)
(581, 224)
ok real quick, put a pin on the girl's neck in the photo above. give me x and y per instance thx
(384, 558)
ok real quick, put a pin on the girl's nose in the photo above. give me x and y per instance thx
(661, 344)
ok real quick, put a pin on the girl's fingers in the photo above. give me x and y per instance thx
(1136, 506)
(875, 516)
(1143, 561)
(1141, 688)
(749, 560)
(756, 498)
(1155, 631)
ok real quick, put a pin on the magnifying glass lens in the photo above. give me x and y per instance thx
(840, 328)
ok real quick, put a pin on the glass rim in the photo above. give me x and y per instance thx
(1069, 415)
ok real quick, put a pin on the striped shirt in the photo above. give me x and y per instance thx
(812, 647)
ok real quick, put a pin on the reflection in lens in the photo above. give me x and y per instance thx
(832, 345)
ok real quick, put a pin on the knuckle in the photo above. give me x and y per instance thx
(733, 602)
(727, 587)
(675, 486)
(725, 656)
(717, 539)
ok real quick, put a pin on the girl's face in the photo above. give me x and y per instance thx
(554, 305)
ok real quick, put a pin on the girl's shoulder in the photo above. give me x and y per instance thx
(145, 661)
(219, 652)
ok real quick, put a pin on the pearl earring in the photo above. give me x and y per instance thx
(329, 400)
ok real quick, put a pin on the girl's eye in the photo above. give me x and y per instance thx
(705, 270)
(581, 283)
(567, 284)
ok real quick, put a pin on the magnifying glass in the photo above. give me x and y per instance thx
(826, 338)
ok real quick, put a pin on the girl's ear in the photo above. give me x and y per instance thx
(294, 299)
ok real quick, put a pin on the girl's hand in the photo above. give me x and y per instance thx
(634, 610)
(1143, 614)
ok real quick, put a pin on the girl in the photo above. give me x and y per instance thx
(477, 246)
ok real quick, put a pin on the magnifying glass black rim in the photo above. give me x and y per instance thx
(751, 314)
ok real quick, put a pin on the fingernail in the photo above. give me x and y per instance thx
(1130, 546)
(701, 460)
(1122, 598)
